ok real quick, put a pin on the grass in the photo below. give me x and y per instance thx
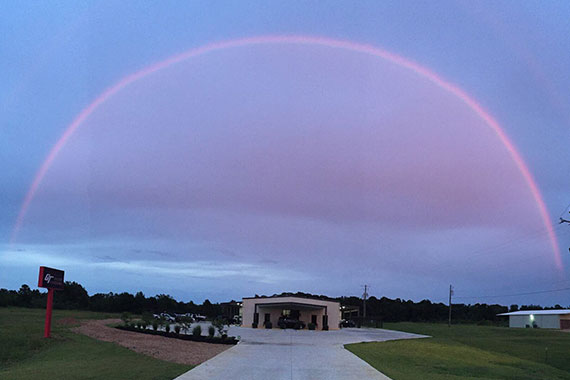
(25, 354)
(470, 352)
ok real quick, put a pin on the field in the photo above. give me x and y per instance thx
(470, 352)
(25, 354)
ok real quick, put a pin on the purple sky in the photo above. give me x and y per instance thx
(287, 167)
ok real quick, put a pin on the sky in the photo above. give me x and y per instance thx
(221, 150)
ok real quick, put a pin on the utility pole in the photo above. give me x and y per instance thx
(450, 294)
(563, 218)
(364, 296)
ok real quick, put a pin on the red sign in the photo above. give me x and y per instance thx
(50, 278)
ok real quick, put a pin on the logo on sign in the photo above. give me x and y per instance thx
(48, 278)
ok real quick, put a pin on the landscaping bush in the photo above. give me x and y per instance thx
(197, 330)
(224, 339)
(126, 318)
(254, 325)
(219, 325)
(211, 331)
(186, 323)
(325, 327)
(268, 325)
(177, 329)
(167, 328)
(155, 325)
(311, 326)
(147, 318)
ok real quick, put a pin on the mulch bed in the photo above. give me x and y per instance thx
(160, 347)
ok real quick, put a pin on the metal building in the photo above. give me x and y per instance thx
(546, 319)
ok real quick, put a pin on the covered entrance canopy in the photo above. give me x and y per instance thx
(261, 312)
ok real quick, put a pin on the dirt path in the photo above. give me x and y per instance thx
(169, 349)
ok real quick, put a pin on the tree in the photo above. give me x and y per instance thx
(73, 296)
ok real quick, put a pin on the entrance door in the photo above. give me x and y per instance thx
(267, 318)
(314, 319)
(565, 324)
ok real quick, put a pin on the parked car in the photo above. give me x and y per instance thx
(198, 317)
(288, 323)
(167, 317)
(236, 320)
(347, 323)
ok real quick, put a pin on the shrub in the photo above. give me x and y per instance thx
(254, 325)
(155, 325)
(126, 318)
(224, 336)
(177, 329)
(147, 318)
(186, 323)
(144, 325)
(325, 327)
(219, 324)
(139, 324)
(268, 325)
(197, 330)
(211, 331)
(311, 326)
(167, 328)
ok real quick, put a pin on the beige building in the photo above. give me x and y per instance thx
(259, 310)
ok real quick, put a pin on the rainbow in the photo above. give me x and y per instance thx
(300, 40)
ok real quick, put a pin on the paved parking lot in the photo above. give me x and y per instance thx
(294, 354)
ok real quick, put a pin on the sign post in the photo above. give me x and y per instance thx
(52, 279)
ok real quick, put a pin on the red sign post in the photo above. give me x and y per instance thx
(52, 279)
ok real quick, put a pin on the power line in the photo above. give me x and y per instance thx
(517, 294)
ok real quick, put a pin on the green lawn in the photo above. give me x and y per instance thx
(470, 352)
(25, 354)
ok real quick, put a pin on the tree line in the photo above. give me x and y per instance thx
(74, 296)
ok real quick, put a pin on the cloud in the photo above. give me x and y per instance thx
(155, 270)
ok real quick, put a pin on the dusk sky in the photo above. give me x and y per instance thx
(222, 150)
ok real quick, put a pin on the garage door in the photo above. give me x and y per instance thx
(565, 324)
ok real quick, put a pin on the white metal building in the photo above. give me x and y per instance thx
(546, 319)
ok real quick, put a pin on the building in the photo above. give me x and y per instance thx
(546, 319)
(257, 311)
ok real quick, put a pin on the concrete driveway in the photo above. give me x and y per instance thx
(294, 354)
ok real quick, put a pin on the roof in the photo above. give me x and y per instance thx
(538, 312)
(275, 299)
(297, 295)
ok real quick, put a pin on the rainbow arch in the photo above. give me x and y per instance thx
(301, 40)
